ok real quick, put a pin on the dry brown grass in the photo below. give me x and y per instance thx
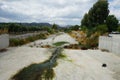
(85, 41)
(3, 31)
(80, 36)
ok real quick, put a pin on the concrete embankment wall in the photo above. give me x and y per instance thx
(4, 41)
(111, 44)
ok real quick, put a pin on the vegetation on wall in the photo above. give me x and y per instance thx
(19, 42)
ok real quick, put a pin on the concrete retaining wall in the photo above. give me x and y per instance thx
(111, 44)
(4, 41)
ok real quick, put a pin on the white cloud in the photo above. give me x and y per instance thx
(115, 8)
(53, 11)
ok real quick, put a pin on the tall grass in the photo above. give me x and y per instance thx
(19, 42)
(3, 31)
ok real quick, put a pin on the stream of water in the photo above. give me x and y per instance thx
(41, 71)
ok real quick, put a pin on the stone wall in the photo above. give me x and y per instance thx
(111, 44)
(4, 41)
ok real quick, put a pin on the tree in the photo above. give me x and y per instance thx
(49, 29)
(102, 29)
(118, 29)
(12, 27)
(112, 23)
(84, 21)
(54, 26)
(75, 27)
(96, 15)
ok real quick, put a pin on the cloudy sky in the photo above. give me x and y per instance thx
(62, 12)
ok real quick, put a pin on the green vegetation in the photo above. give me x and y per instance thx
(54, 26)
(71, 28)
(118, 29)
(42, 71)
(35, 72)
(19, 42)
(97, 22)
(62, 56)
(20, 28)
(60, 43)
(112, 23)
(102, 29)
(96, 15)
(99, 15)
(49, 29)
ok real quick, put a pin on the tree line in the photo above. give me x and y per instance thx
(20, 28)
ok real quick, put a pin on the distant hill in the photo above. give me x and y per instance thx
(36, 24)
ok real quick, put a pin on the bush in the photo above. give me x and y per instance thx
(3, 31)
(30, 39)
(102, 29)
(15, 42)
(18, 42)
(118, 29)
(60, 43)
(89, 42)
(48, 29)
(42, 36)
(84, 28)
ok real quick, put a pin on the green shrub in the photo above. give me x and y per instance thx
(60, 43)
(119, 28)
(18, 42)
(30, 39)
(102, 29)
(42, 36)
(35, 72)
(62, 56)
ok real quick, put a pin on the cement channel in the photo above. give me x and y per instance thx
(41, 71)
